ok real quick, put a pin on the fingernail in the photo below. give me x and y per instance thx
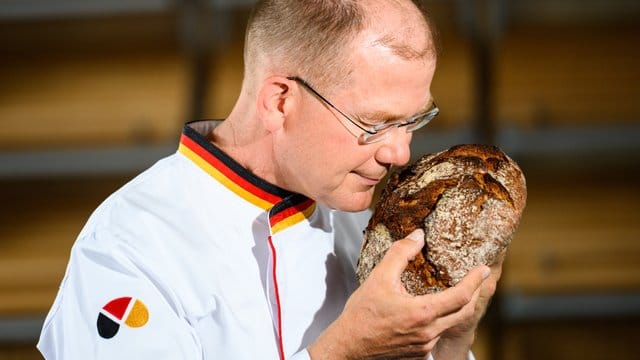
(416, 235)
(486, 272)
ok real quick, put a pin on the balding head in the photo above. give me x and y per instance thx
(314, 39)
(402, 26)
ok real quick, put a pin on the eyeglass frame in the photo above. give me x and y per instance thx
(383, 130)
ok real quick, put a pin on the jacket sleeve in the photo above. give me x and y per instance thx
(109, 308)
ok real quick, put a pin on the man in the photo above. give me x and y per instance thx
(242, 245)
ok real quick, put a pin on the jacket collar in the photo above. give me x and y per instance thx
(285, 207)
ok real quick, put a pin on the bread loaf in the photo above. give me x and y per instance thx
(468, 199)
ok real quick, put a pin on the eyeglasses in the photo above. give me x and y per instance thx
(378, 132)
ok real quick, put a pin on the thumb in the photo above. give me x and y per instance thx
(400, 253)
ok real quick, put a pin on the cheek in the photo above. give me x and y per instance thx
(327, 165)
(317, 154)
(327, 149)
(324, 167)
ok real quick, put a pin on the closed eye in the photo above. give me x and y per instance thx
(387, 120)
(370, 123)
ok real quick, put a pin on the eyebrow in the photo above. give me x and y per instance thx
(387, 117)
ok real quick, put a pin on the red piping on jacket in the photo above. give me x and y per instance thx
(279, 310)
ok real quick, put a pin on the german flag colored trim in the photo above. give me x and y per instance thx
(228, 172)
(290, 211)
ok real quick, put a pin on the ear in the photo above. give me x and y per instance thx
(274, 97)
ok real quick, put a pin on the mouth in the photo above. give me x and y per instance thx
(370, 180)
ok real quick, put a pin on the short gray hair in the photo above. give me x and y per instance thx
(307, 38)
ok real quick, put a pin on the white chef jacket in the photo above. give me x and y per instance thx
(197, 258)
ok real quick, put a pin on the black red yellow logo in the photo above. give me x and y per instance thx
(124, 310)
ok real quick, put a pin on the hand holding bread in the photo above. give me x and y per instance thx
(382, 321)
(467, 199)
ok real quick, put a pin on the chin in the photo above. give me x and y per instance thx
(354, 202)
(353, 208)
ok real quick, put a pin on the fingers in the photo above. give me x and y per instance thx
(406, 325)
(474, 278)
(457, 307)
(453, 299)
(400, 253)
(465, 312)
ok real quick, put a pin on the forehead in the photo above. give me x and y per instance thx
(382, 81)
(392, 61)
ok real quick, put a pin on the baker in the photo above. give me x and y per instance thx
(242, 244)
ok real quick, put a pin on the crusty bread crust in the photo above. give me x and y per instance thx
(468, 199)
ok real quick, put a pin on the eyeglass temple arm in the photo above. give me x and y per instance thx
(306, 85)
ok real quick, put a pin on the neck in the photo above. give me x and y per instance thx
(243, 137)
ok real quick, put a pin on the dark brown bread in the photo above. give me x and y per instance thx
(468, 199)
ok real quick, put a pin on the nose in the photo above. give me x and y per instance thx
(395, 150)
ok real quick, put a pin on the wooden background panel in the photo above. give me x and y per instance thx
(92, 100)
(559, 75)
(453, 83)
(589, 339)
(19, 351)
(224, 81)
(579, 231)
(91, 81)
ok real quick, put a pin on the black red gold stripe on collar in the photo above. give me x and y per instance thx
(290, 211)
(228, 172)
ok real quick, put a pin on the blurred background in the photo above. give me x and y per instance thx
(94, 91)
